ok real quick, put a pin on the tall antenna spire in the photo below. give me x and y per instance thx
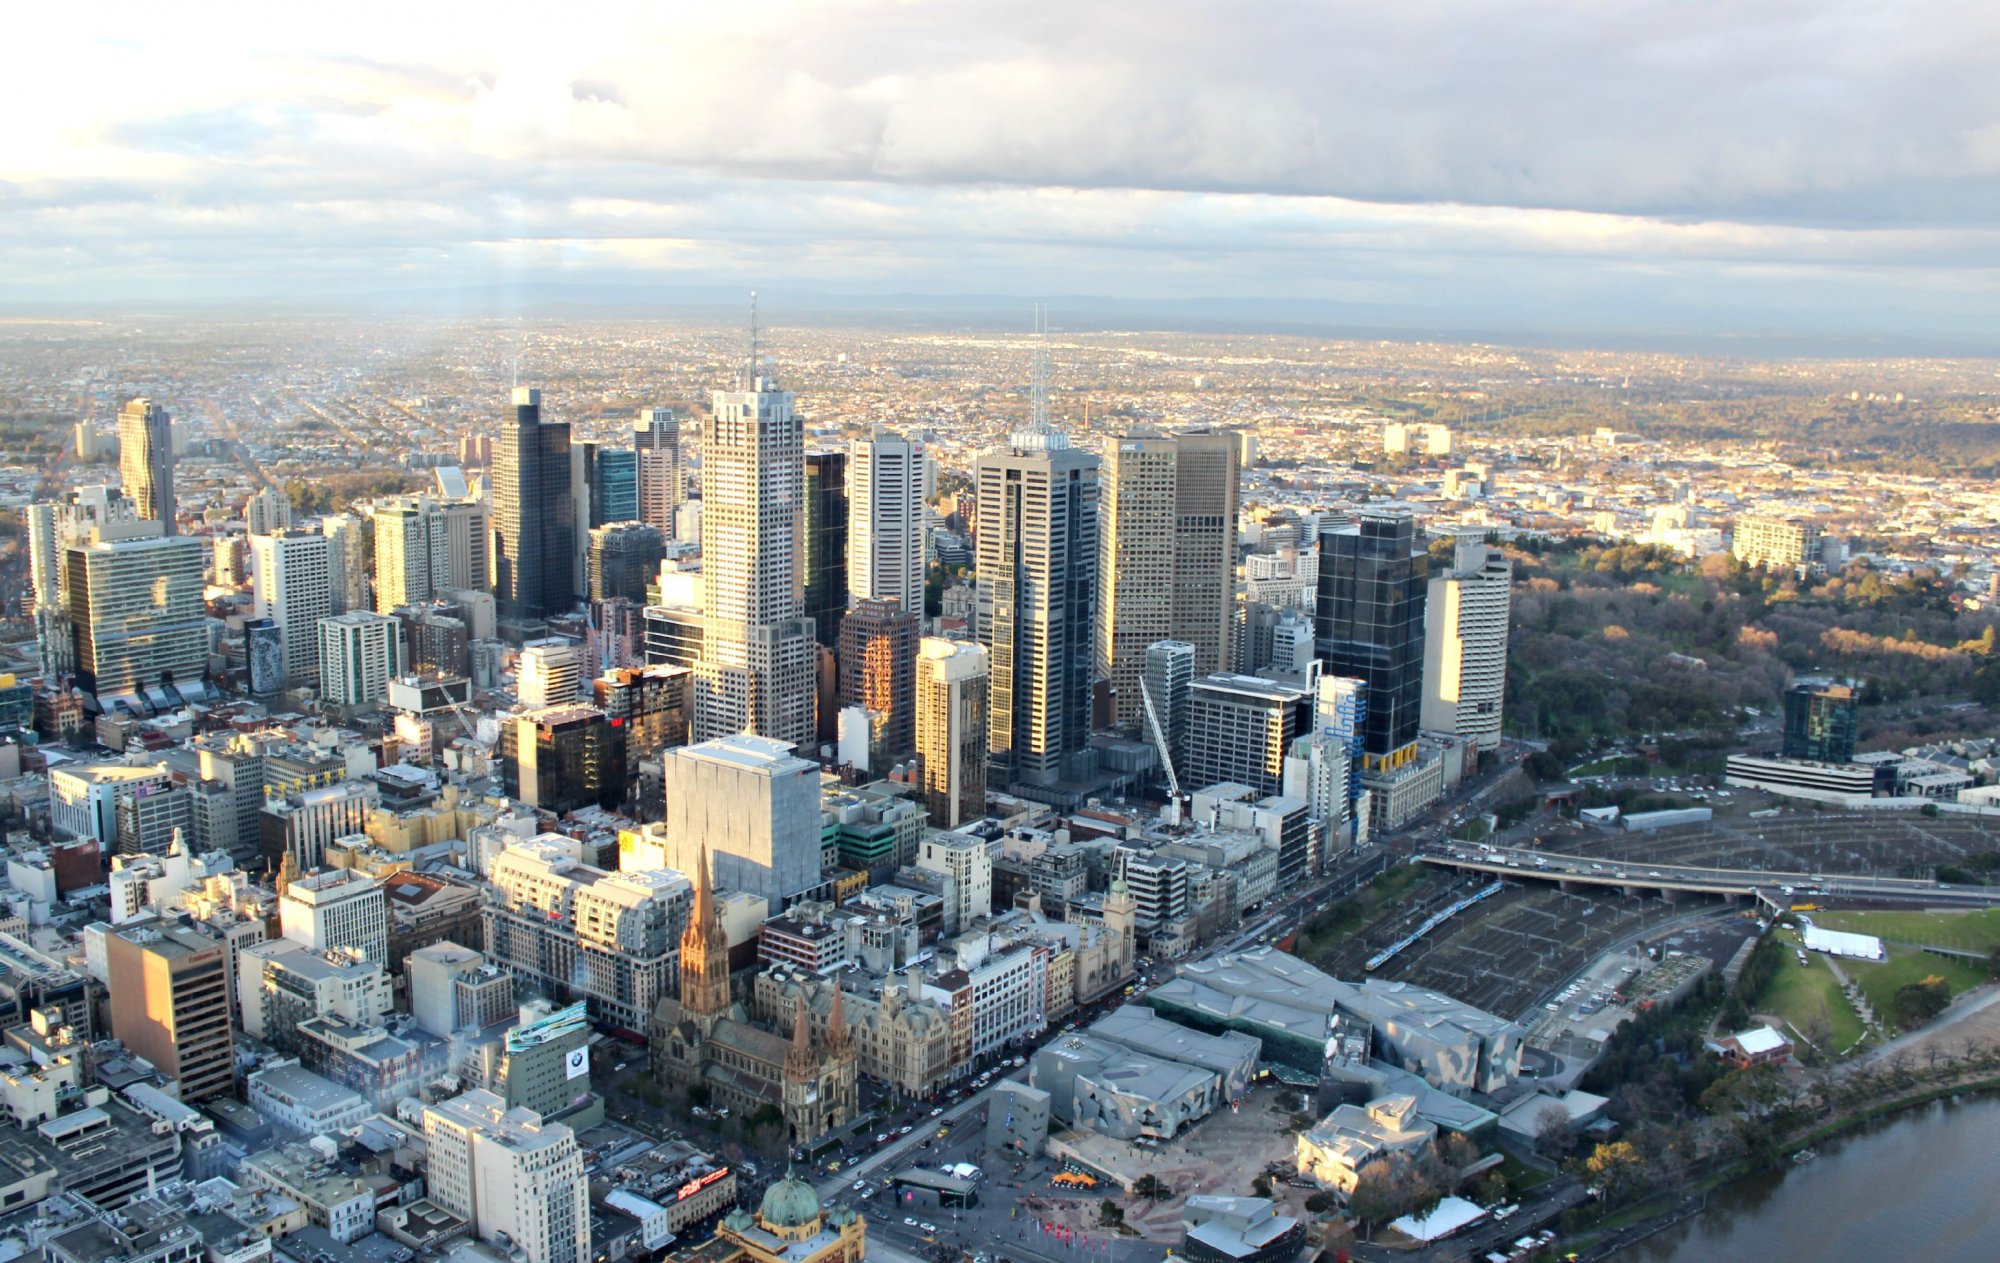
(1038, 380)
(751, 382)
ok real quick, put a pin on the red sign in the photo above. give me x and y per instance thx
(699, 1183)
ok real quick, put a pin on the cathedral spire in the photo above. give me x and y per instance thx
(836, 1027)
(800, 1061)
(704, 949)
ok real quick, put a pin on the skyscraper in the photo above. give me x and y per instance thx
(614, 486)
(1037, 597)
(624, 558)
(756, 671)
(468, 536)
(1170, 682)
(550, 673)
(534, 515)
(878, 669)
(885, 524)
(826, 533)
(359, 653)
(1465, 645)
(1369, 624)
(267, 511)
(1820, 721)
(656, 438)
(347, 561)
(951, 730)
(412, 552)
(290, 584)
(561, 758)
(137, 622)
(146, 460)
(1168, 555)
(1240, 728)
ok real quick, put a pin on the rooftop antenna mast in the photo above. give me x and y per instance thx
(1038, 380)
(751, 384)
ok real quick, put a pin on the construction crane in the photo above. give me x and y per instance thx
(1172, 814)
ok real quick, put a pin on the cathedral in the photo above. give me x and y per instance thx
(704, 1037)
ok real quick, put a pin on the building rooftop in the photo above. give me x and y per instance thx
(294, 1084)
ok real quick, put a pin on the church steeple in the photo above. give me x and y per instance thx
(801, 1062)
(704, 950)
(837, 1039)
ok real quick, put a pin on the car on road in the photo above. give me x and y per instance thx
(928, 1227)
(937, 1111)
(909, 1222)
(858, 1184)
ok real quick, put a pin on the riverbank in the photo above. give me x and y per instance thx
(1694, 1197)
(1912, 1184)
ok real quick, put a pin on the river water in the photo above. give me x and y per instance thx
(1924, 1185)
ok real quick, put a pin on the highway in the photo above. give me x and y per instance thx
(1768, 884)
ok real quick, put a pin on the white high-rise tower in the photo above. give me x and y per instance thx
(885, 519)
(757, 668)
(1465, 644)
(291, 584)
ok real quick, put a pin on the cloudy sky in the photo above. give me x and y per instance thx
(1730, 165)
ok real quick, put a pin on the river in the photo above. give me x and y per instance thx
(1916, 1186)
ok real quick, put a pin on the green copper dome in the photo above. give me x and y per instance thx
(790, 1203)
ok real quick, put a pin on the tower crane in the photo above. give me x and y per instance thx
(1172, 814)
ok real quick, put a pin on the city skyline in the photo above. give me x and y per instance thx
(1463, 167)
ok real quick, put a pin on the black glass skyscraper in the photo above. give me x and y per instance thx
(1369, 624)
(826, 544)
(534, 514)
(1820, 721)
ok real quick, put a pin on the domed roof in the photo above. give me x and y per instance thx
(790, 1203)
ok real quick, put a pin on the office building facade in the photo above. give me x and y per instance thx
(878, 670)
(170, 989)
(1038, 557)
(656, 441)
(754, 805)
(1369, 625)
(560, 759)
(624, 558)
(1772, 541)
(1820, 721)
(516, 1179)
(757, 668)
(137, 620)
(614, 486)
(358, 654)
(1465, 645)
(1167, 567)
(534, 514)
(827, 516)
(291, 584)
(885, 532)
(1239, 730)
(951, 702)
